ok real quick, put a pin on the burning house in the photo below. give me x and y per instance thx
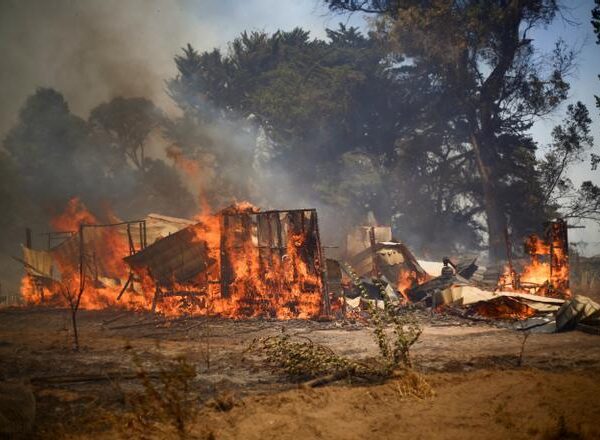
(242, 262)
(257, 264)
(547, 271)
(239, 262)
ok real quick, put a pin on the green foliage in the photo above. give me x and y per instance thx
(10, 203)
(54, 155)
(487, 71)
(571, 140)
(301, 358)
(394, 349)
(344, 118)
(43, 144)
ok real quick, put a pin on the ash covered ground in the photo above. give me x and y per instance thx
(483, 386)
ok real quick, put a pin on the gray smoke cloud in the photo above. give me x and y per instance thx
(91, 51)
(94, 50)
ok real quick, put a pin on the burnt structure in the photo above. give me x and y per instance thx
(554, 246)
(259, 259)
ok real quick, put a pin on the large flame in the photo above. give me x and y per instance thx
(547, 272)
(273, 285)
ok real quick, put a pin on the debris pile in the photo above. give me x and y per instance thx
(243, 262)
(533, 294)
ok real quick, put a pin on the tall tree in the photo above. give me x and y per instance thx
(346, 121)
(481, 54)
(43, 144)
(129, 122)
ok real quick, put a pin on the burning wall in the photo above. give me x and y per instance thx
(547, 272)
(237, 263)
(240, 262)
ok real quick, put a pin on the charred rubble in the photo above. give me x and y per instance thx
(242, 262)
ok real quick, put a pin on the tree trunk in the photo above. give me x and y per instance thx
(75, 333)
(495, 218)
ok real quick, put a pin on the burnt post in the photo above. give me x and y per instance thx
(224, 257)
(322, 267)
(374, 252)
(81, 250)
(511, 268)
(557, 237)
(28, 238)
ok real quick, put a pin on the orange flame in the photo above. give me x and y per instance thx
(547, 273)
(263, 282)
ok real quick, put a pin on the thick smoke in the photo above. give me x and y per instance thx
(91, 51)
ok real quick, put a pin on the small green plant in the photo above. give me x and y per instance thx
(406, 330)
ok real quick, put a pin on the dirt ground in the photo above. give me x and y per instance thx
(482, 387)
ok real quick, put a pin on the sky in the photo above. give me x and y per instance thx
(93, 50)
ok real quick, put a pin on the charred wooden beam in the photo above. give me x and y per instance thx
(225, 263)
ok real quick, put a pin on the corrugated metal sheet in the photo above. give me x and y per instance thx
(157, 227)
(39, 263)
(176, 258)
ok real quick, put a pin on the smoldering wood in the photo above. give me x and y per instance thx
(225, 270)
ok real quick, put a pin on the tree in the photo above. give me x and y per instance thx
(346, 122)
(159, 189)
(128, 122)
(42, 145)
(570, 140)
(10, 203)
(481, 55)
(121, 130)
(72, 289)
(57, 156)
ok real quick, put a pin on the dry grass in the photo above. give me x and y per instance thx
(413, 384)
(166, 404)
(562, 432)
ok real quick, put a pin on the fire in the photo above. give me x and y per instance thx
(74, 214)
(406, 280)
(104, 270)
(547, 273)
(260, 282)
(242, 278)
